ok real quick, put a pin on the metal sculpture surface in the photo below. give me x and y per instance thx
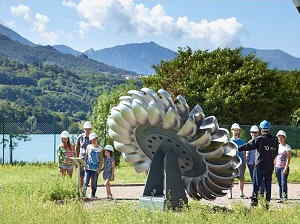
(297, 4)
(184, 149)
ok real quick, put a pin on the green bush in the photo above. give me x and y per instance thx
(61, 189)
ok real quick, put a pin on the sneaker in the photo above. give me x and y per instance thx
(243, 196)
(254, 202)
(280, 201)
(109, 197)
(267, 205)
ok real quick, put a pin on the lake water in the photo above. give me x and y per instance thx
(40, 148)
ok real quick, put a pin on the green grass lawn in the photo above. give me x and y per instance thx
(27, 193)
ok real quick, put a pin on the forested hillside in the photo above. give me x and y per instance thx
(48, 93)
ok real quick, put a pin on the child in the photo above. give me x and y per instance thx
(65, 152)
(93, 164)
(109, 169)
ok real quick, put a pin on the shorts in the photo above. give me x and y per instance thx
(242, 169)
(68, 167)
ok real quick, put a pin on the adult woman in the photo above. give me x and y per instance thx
(282, 163)
(236, 132)
(250, 155)
(65, 151)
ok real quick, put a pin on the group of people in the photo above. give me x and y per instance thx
(95, 159)
(261, 154)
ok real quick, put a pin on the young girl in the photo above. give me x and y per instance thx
(93, 164)
(282, 163)
(109, 169)
(65, 151)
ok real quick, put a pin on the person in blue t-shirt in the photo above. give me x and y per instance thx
(236, 131)
(94, 164)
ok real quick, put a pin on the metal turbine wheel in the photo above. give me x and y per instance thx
(144, 119)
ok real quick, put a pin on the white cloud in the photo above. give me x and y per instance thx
(21, 10)
(38, 20)
(129, 16)
(69, 3)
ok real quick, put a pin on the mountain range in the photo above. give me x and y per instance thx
(140, 57)
(136, 57)
(15, 47)
(14, 36)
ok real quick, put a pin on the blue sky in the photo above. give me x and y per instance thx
(204, 24)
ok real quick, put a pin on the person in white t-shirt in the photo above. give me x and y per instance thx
(282, 163)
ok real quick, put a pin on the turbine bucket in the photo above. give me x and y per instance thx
(209, 123)
(188, 129)
(170, 119)
(139, 111)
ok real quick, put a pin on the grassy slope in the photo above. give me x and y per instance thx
(25, 193)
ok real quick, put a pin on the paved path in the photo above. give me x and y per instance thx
(134, 192)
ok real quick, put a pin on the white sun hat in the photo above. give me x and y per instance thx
(87, 124)
(65, 134)
(281, 132)
(235, 126)
(109, 148)
(92, 136)
(254, 128)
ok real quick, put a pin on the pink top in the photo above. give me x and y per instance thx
(282, 157)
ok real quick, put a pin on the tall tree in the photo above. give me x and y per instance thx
(233, 87)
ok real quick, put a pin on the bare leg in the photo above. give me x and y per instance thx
(108, 190)
(242, 187)
(70, 172)
(63, 172)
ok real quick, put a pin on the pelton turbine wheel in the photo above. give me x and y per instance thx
(144, 119)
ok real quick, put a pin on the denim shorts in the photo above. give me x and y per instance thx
(68, 167)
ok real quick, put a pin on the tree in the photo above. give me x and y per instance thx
(232, 87)
(250, 94)
(192, 72)
(11, 136)
(296, 117)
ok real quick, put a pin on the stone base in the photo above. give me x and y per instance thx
(153, 203)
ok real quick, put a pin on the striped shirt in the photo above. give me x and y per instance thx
(282, 157)
(64, 156)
